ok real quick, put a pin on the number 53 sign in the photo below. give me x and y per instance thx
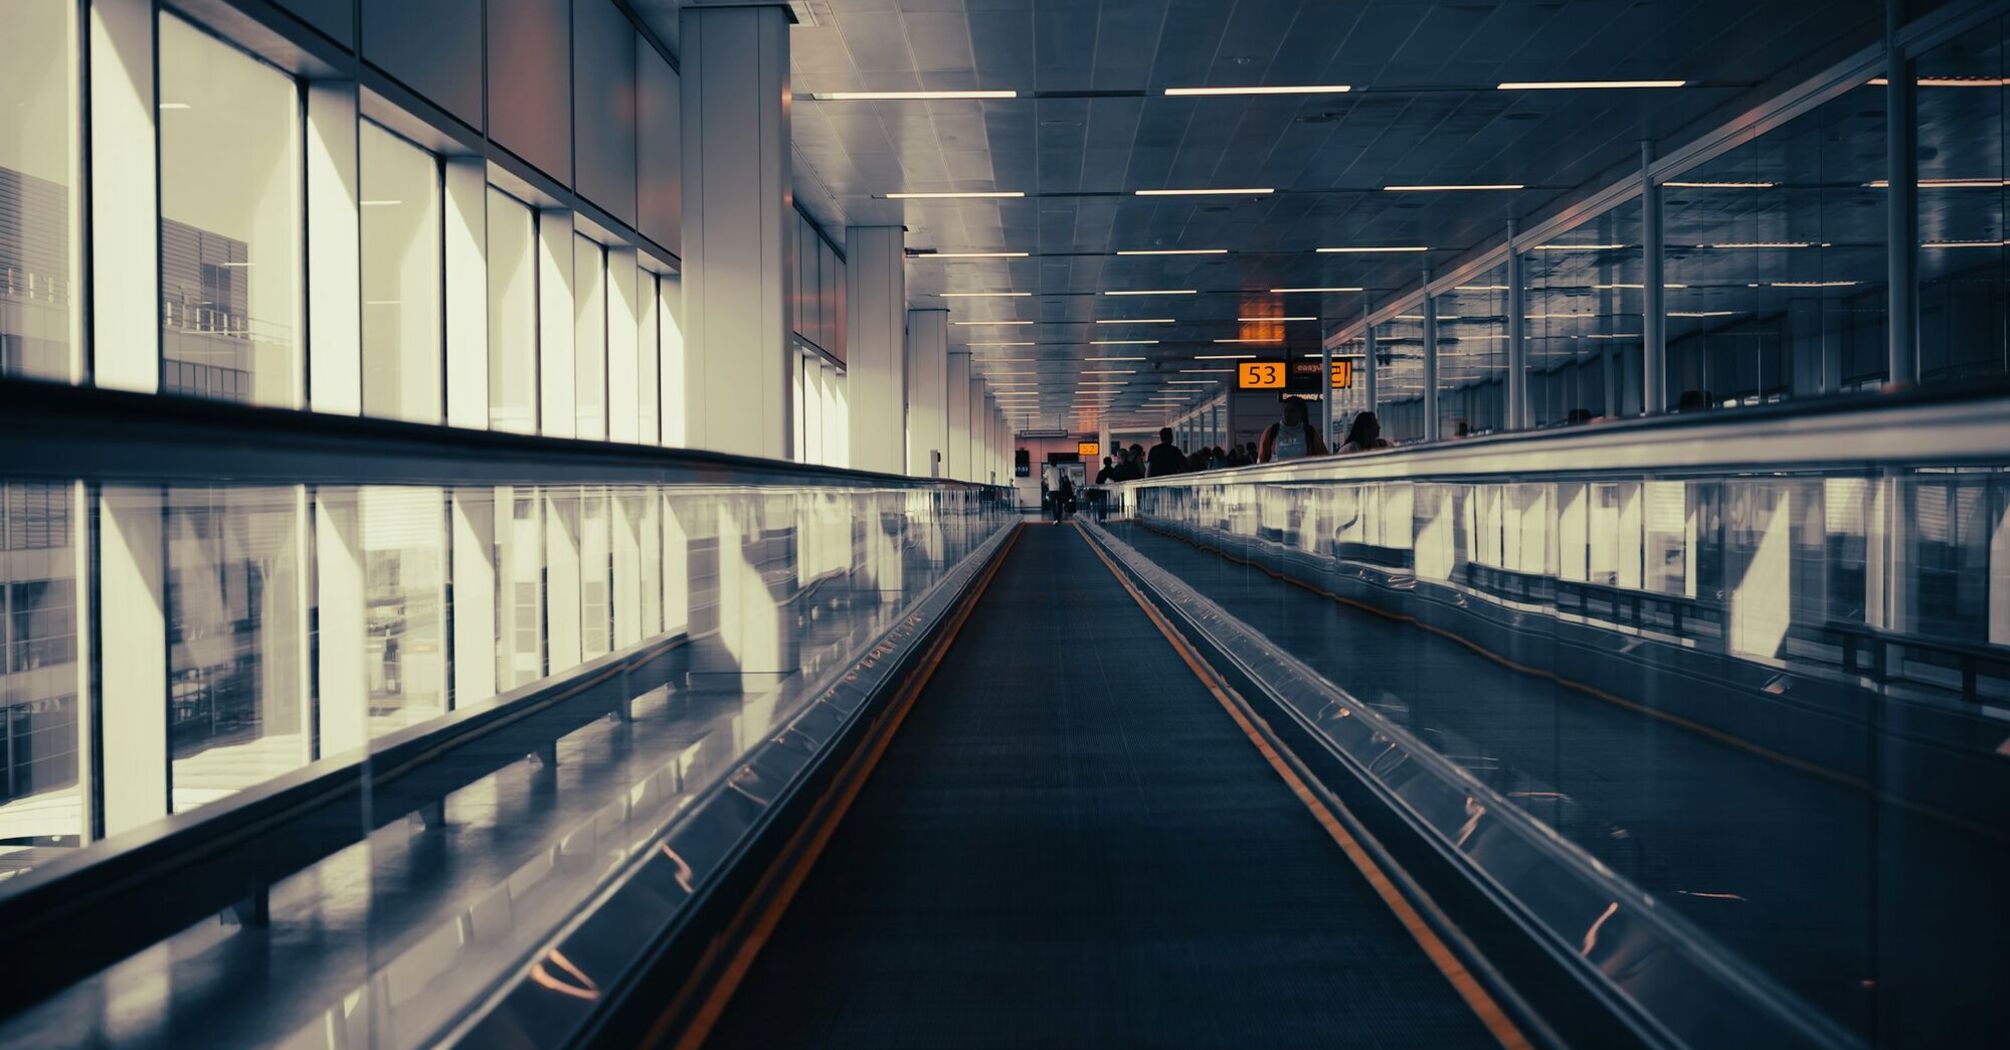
(1259, 375)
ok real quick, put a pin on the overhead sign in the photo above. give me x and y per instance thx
(1260, 375)
(1343, 374)
(1088, 448)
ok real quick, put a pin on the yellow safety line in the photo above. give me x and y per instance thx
(1462, 980)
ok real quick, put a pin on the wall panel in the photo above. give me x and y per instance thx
(603, 99)
(530, 108)
(658, 133)
(434, 48)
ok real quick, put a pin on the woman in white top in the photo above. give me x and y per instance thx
(1293, 438)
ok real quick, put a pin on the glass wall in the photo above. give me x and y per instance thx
(38, 197)
(512, 314)
(39, 676)
(402, 327)
(230, 236)
(1473, 356)
(1776, 262)
(1399, 365)
(589, 297)
(1964, 123)
(1584, 298)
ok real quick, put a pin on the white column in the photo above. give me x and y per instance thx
(737, 224)
(956, 414)
(467, 238)
(623, 373)
(561, 579)
(474, 532)
(125, 208)
(341, 617)
(334, 343)
(927, 397)
(973, 463)
(875, 337)
(672, 363)
(132, 578)
(648, 359)
(558, 415)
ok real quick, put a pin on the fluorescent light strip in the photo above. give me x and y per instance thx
(1759, 244)
(1297, 291)
(1193, 382)
(1579, 247)
(1368, 250)
(1273, 341)
(1136, 320)
(1701, 313)
(1942, 184)
(1974, 81)
(1119, 359)
(1174, 251)
(1110, 372)
(1573, 85)
(1965, 244)
(954, 195)
(1208, 371)
(1639, 287)
(983, 295)
(1000, 344)
(1454, 188)
(1222, 357)
(1482, 288)
(1123, 342)
(1156, 291)
(1255, 319)
(1815, 284)
(970, 255)
(1721, 185)
(1278, 89)
(1248, 191)
(906, 96)
(974, 324)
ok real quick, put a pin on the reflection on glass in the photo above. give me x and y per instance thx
(519, 598)
(38, 256)
(405, 653)
(1399, 367)
(401, 278)
(596, 575)
(1583, 304)
(1776, 262)
(1473, 356)
(1964, 125)
(230, 222)
(589, 298)
(236, 681)
(512, 314)
(39, 798)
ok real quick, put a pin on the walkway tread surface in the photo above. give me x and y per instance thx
(1070, 843)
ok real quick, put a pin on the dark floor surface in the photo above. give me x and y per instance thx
(1069, 843)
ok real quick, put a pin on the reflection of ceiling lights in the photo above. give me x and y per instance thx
(1572, 85)
(905, 96)
(1274, 89)
(1454, 187)
(950, 196)
(1249, 191)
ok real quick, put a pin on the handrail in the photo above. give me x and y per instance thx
(69, 432)
(1939, 426)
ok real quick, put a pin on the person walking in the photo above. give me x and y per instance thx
(1064, 494)
(1165, 458)
(1293, 437)
(1364, 434)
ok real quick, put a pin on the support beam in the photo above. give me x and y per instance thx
(1654, 314)
(1901, 202)
(1517, 382)
(1433, 427)
(875, 364)
(927, 392)
(956, 414)
(1369, 367)
(737, 228)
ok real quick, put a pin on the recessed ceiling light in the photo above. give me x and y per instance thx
(984, 295)
(998, 344)
(382, 204)
(1721, 185)
(1976, 81)
(1608, 287)
(1118, 359)
(1155, 291)
(1123, 342)
(1579, 247)
(1701, 313)
(1366, 250)
(1965, 244)
(1174, 251)
(1136, 320)
(1815, 284)
(969, 255)
(974, 324)
(1246, 191)
(1275, 89)
(1453, 188)
(1249, 340)
(1482, 288)
(1111, 372)
(1222, 357)
(1193, 382)
(1209, 371)
(905, 96)
(1973, 184)
(950, 196)
(1294, 291)
(1759, 244)
(1568, 85)
(1257, 319)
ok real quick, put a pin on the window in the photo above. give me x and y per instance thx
(38, 664)
(1964, 197)
(589, 383)
(512, 315)
(401, 279)
(38, 242)
(405, 652)
(230, 222)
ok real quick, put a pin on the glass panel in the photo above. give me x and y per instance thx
(512, 314)
(1473, 356)
(402, 332)
(589, 275)
(1964, 123)
(40, 803)
(236, 642)
(1399, 363)
(596, 575)
(1584, 299)
(38, 210)
(404, 543)
(1776, 262)
(230, 222)
(519, 600)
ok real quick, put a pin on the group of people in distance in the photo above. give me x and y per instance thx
(1292, 437)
